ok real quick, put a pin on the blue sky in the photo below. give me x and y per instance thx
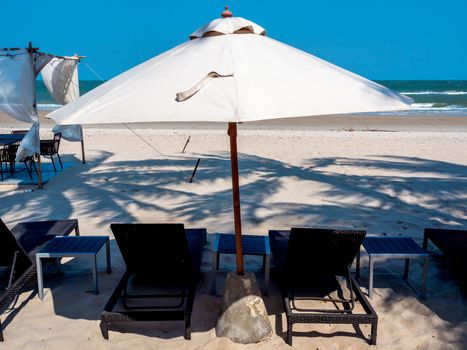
(412, 39)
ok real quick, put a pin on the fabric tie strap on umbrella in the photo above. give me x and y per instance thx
(182, 96)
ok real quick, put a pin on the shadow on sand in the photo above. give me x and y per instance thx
(418, 193)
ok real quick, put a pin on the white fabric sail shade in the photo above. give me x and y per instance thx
(60, 77)
(258, 78)
(18, 71)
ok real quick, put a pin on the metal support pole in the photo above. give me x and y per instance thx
(107, 252)
(82, 151)
(190, 180)
(94, 274)
(370, 278)
(40, 280)
(232, 132)
(186, 144)
(39, 171)
(31, 51)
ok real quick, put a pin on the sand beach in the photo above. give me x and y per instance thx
(391, 175)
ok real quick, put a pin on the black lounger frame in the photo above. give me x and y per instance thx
(182, 311)
(342, 316)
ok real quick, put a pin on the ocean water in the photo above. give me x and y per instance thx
(432, 96)
(445, 97)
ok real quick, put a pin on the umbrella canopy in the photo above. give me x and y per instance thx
(257, 78)
(229, 71)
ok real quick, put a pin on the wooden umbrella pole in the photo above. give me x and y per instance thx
(232, 132)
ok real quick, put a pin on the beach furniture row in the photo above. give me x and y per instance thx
(163, 264)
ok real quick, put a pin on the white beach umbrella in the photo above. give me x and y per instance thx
(229, 71)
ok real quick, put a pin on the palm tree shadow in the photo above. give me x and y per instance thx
(378, 193)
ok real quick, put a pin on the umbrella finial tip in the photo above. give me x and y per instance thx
(226, 13)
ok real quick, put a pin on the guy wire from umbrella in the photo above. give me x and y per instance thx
(189, 179)
(160, 153)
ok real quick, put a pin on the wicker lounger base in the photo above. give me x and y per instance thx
(370, 317)
(29, 237)
(110, 318)
(14, 290)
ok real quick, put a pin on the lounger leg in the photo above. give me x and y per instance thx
(13, 268)
(40, 282)
(289, 332)
(28, 170)
(104, 329)
(33, 165)
(187, 334)
(59, 160)
(1, 332)
(406, 269)
(53, 163)
(77, 230)
(370, 278)
(12, 167)
(374, 330)
(424, 276)
(107, 252)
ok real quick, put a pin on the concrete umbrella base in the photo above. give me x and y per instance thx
(243, 316)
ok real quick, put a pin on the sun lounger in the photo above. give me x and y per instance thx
(453, 244)
(16, 267)
(309, 262)
(17, 253)
(34, 234)
(162, 268)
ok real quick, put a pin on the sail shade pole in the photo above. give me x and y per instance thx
(31, 51)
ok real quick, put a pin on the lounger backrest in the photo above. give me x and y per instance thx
(154, 249)
(8, 247)
(321, 252)
(452, 243)
(447, 239)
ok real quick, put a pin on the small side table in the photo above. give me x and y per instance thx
(224, 243)
(394, 248)
(72, 246)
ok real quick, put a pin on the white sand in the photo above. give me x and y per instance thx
(384, 182)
